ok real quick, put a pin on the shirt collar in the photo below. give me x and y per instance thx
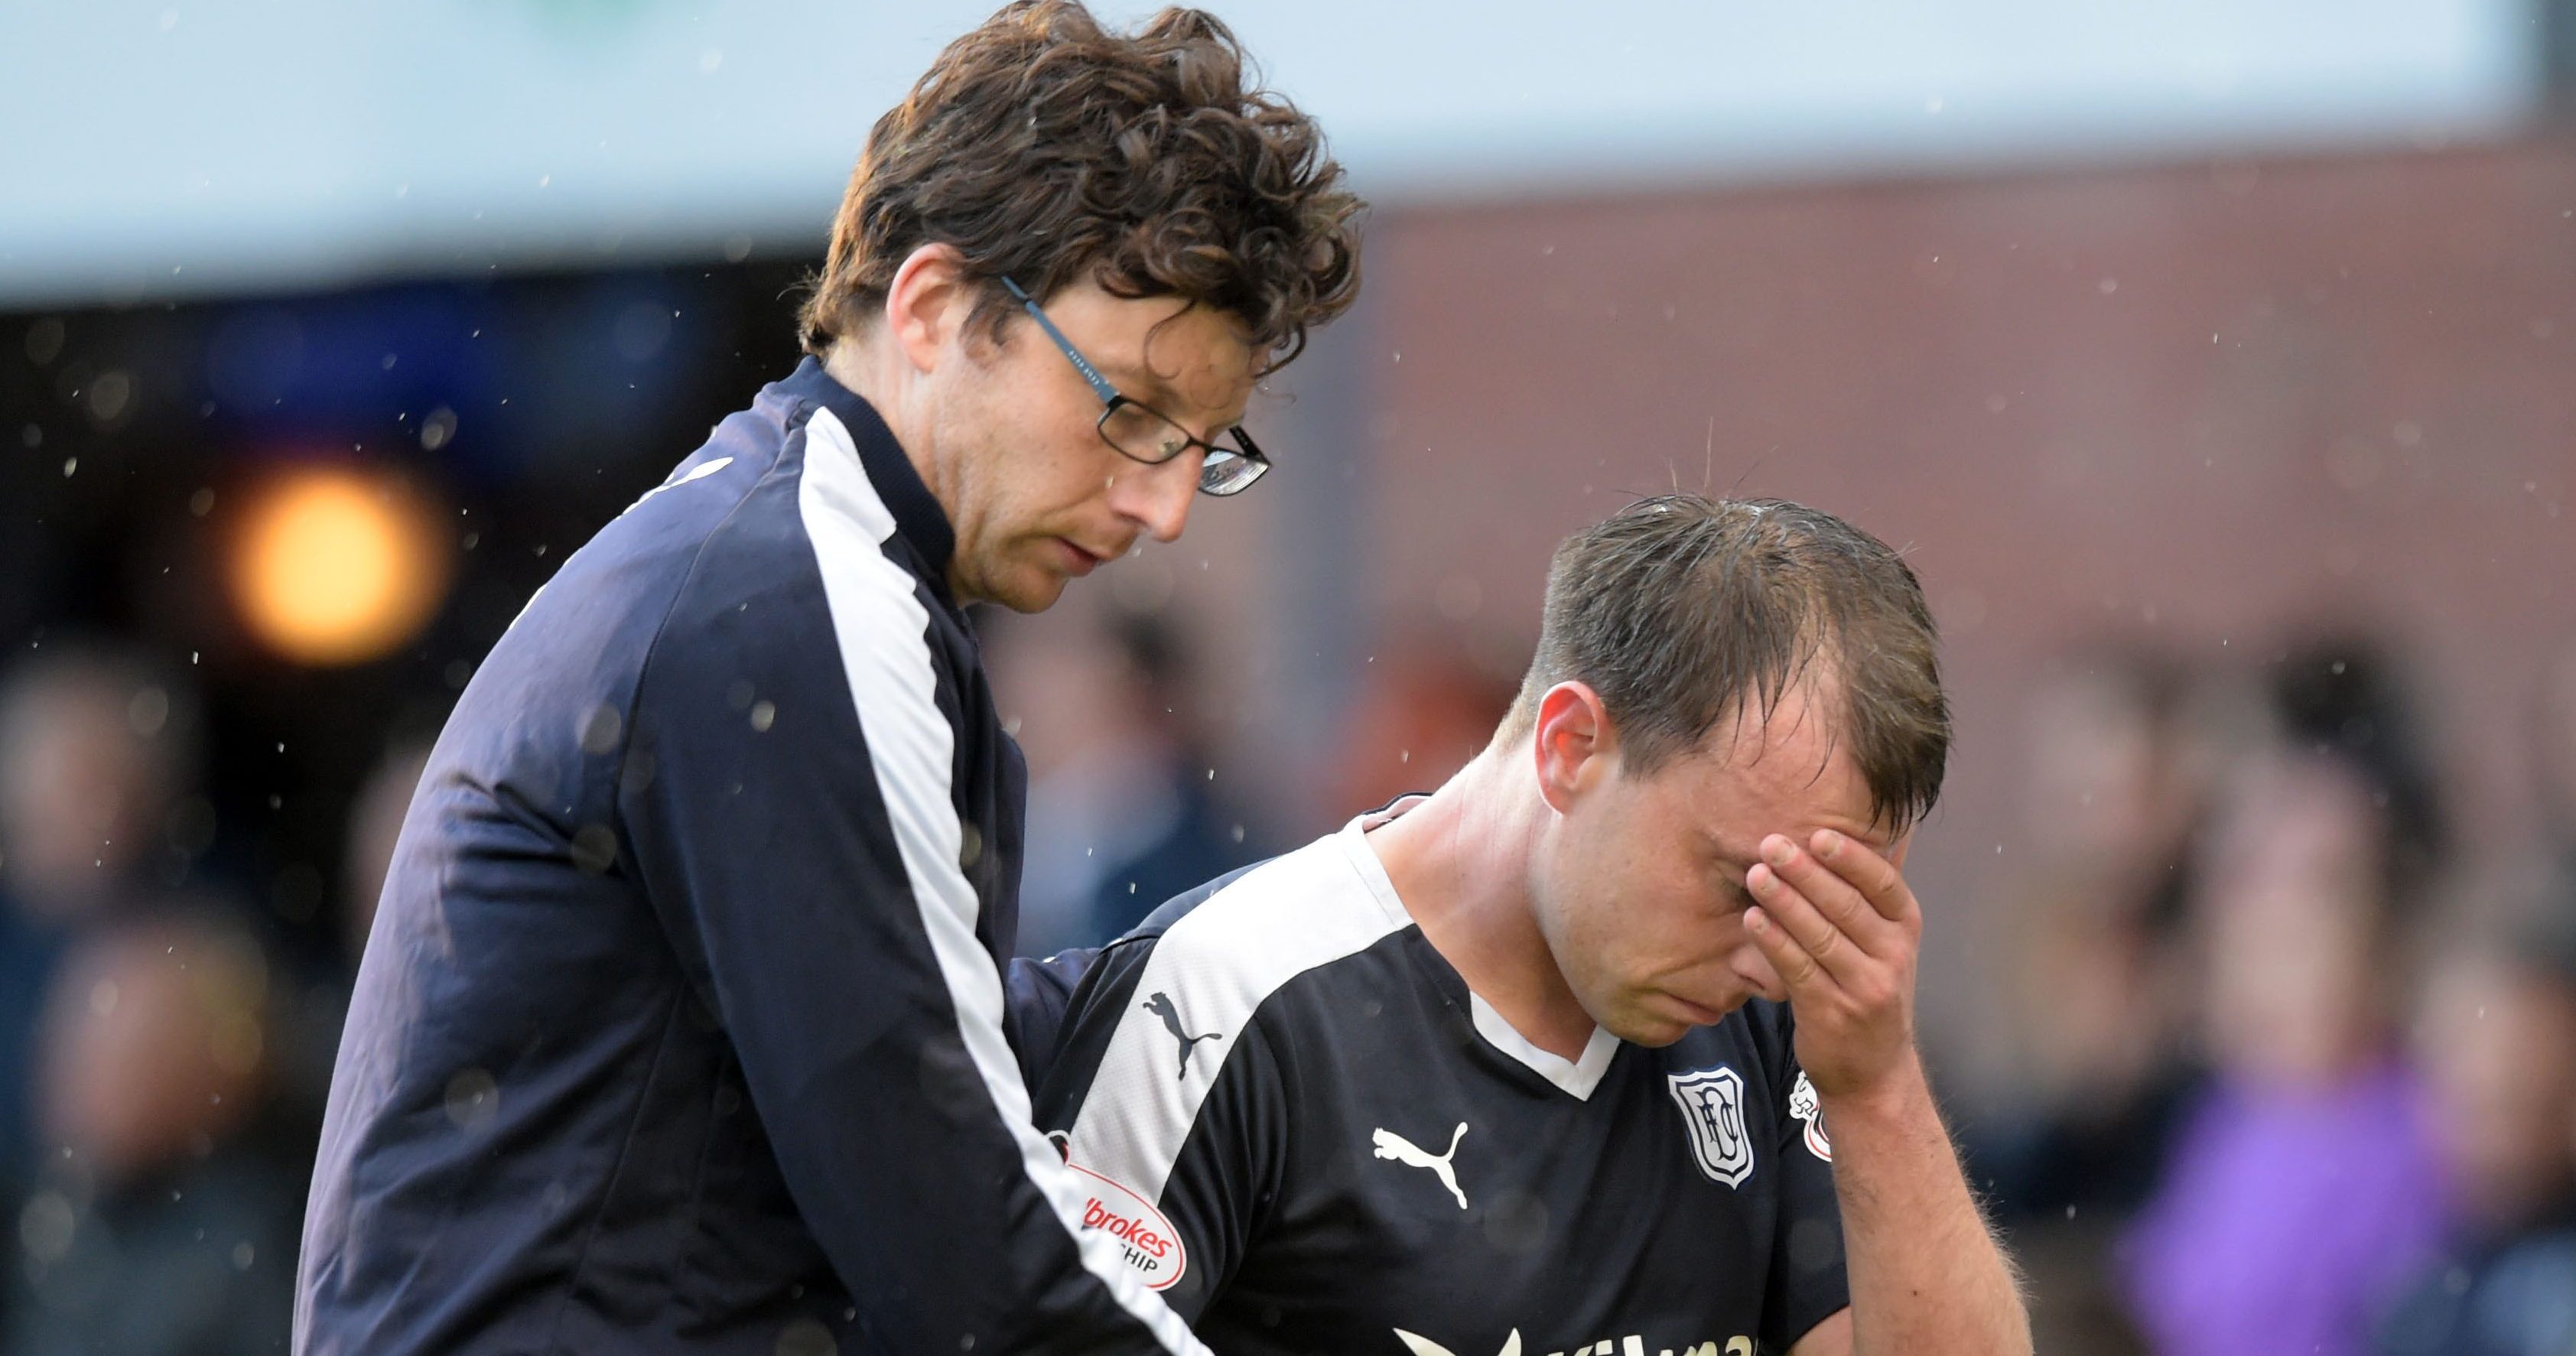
(918, 518)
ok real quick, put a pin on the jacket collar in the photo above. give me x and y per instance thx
(918, 518)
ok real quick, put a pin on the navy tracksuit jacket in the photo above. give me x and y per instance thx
(683, 1025)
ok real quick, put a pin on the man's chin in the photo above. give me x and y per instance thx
(1033, 592)
(1653, 1035)
(1662, 1019)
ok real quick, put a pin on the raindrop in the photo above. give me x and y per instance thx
(437, 429)
(599, 730)
(243, 1255)
(45, 341)
(763, 715)
(709, 60)
(31, 437)
(2108, 286)
(807, 1337)
(70, 464)
(102, 997)
(46, 1226)
(201, 503)
(109, 398)
(738, 694)
(594, 848)
(472, 1099)
(148, 712)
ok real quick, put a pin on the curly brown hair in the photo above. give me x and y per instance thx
(1047, 149)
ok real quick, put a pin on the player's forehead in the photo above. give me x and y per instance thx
(1788, 772)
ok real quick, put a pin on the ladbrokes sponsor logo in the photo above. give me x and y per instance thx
(1144, 1237)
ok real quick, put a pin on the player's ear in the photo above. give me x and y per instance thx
(1573, 744)
(927, 303)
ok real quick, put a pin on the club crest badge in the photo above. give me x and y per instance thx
(1804, 1105)
(1712, 1103)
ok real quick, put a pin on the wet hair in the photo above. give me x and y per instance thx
(1051, 151)
(1681, 612)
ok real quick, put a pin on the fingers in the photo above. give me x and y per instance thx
(1873, 876)
(1834, 897)
(1803, 926)
(1797, 969)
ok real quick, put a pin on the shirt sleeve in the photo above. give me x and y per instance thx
(1038, 992)
(1808, 1284)
(1184, 1181)
(807, 867)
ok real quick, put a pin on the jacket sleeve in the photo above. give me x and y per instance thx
(803, 852)
(1182, 1180)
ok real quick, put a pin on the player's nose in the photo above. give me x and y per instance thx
(1757, 974)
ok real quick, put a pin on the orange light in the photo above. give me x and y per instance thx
(335, 567)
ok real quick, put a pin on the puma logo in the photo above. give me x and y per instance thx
(1397, 1147)
(1160, 1004)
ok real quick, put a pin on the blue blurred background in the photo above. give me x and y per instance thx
(2215, 363)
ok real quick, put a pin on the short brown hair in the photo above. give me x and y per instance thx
(1680, 610)
(1047, 150)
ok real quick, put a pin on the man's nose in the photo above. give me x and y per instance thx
(1157, 498)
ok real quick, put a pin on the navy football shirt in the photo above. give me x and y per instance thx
(1309, 1135)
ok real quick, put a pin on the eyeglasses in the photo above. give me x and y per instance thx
(1142, 433)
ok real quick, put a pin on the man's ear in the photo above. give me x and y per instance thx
(928, 303)
(1574, 746)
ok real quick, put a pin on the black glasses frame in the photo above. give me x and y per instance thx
(1227, 470)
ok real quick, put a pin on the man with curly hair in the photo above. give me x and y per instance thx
(682, 1025)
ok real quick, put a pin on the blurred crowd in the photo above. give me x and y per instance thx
(2289, 1073)
(2296, 1075)
(164, 1046)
